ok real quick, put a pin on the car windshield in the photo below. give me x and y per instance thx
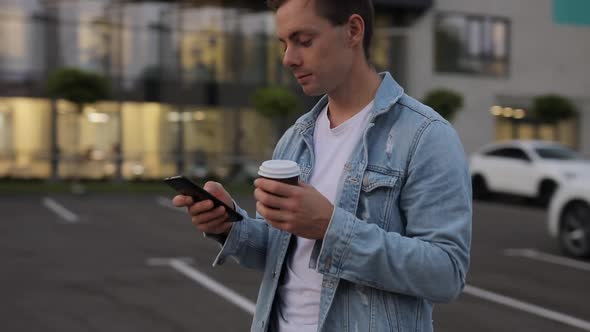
(557, 153)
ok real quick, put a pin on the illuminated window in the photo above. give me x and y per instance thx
(516, 123)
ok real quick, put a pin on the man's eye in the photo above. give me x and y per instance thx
(305, 43)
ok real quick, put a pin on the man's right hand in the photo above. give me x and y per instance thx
(203, 215)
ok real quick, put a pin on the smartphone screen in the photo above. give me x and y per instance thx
(186, 187)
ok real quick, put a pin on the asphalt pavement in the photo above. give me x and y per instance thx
(123, 262)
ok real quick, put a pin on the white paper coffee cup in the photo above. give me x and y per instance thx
(286, 171)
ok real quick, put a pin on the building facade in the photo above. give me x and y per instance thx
(500, 55)
(182, 74)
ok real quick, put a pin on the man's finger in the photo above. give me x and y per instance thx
(211, 221)
(217, 190)
(269, 213)
(181, 201)
(200, 207)
(209, 215)
(268, 199)
(275, 187)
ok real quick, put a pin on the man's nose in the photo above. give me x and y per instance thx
(291, 59)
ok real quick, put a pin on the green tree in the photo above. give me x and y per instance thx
(77, 86)
(80, 88)
(276, 103)
(553, 108)
(445, 102)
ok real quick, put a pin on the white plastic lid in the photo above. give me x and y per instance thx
(279, 169)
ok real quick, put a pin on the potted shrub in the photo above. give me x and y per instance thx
(277, 104)
(446, 102)
(553, 108)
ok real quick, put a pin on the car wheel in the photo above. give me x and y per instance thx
(546, 191)
(574, 231)
(480, 187)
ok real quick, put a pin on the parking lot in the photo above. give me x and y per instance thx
(122, 262)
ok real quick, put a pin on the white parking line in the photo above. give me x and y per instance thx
(60, 210)
(527, 307)
(183, 267)
(537, 255)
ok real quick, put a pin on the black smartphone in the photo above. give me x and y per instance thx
(186, 187)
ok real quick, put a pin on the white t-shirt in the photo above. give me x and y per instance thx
(299, 294)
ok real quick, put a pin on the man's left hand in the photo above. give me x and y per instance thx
(300, 210)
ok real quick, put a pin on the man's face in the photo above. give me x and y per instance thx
(316, 52)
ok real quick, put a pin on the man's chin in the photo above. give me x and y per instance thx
(311, 92)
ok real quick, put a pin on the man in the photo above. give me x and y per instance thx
(379, 227)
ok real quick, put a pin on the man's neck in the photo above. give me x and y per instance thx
(353, 95)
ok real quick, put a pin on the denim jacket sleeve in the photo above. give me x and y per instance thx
(432, 258)
(246, 242)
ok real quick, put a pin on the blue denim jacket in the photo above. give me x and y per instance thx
(400, 234)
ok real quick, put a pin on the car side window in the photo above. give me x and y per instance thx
(519, 154)
(509, 153)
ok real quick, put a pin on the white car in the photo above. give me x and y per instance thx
(569, 218)
(533, 169)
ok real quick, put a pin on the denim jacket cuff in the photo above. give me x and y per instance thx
(231, 242)
(335, 242)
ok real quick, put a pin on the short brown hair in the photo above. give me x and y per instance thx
(339, 11)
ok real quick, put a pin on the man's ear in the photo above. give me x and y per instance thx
(356, 30)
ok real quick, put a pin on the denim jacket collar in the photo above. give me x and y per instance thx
(387, 95)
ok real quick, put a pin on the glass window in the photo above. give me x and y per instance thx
(29, 121)
(565, 132)
(560, 153)
(6, 144)
(146, 42)
(496, 153)
(526, 131)
(389, 51)
(15, 33)
(511, 153)
(518, 154)
(149, 139)
(88, 139)
(257, 135)
(5, 129)
(471, 44)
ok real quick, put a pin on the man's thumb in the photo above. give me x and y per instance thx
(215, 188)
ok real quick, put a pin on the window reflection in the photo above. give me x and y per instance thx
(150, 51)
(6, 142)
(14, 31)
(471, 44)
(564, 132)
(388, 53)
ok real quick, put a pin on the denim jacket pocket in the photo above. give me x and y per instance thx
(378, 192)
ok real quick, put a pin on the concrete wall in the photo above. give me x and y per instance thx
(544, 57)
